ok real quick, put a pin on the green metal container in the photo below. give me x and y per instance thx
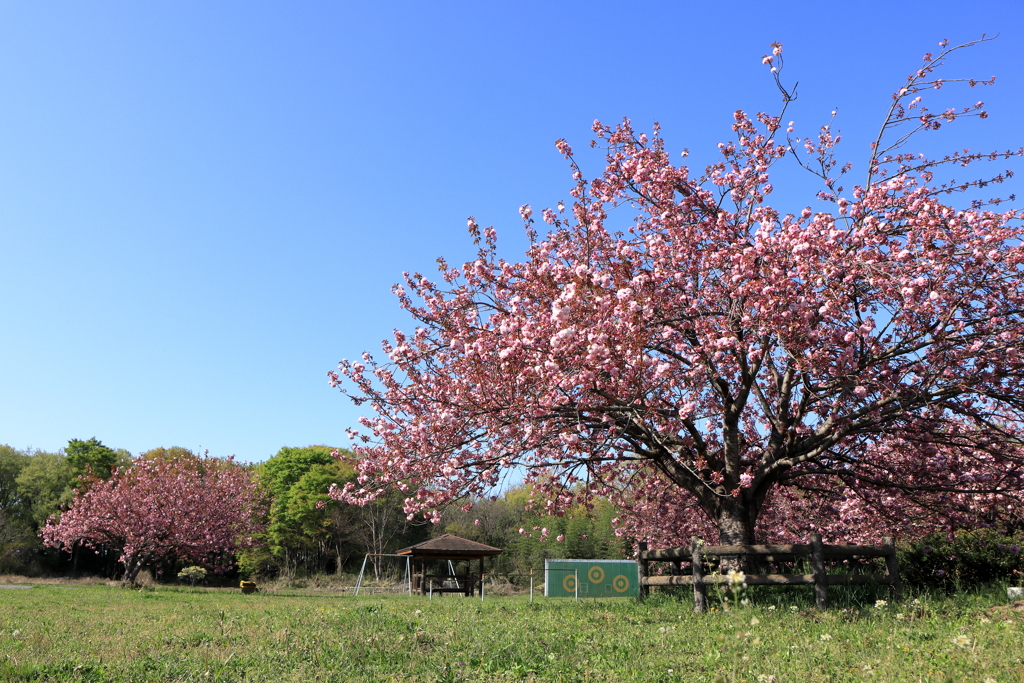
(597, 578)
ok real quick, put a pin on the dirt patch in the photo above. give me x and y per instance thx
(1005, 611)
(17, 579)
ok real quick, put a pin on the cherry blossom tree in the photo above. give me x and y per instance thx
(191, 508)
(723, 366)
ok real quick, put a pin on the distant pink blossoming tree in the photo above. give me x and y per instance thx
(721, 366)
(195, 509)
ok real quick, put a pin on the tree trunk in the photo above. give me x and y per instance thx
(74, 560)
(131, 570)
(735, 527)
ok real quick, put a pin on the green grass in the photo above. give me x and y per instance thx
(100, 633)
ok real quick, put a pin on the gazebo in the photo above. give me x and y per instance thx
(452, 548)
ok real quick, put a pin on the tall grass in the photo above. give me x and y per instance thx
(102, 633)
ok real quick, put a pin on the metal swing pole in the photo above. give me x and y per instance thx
(359, 581)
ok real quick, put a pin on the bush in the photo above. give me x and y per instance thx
(192, 575)
(969, 559)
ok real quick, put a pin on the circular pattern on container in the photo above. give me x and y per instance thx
(595, 574)
(569, 583)
(620, 583)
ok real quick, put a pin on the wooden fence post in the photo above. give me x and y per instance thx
(700, 591)
(892, 568)
(818, 566)
(641, 570)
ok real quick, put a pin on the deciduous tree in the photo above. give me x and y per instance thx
(43, 485)
(722, 362)
(93, 458)
(191, 508)
(302, 528)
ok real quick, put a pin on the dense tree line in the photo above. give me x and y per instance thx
(305, 532)
(309, 532)
(34, 485)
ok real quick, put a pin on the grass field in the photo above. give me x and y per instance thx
(102, 633)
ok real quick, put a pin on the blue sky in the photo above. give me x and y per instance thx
(203, 206)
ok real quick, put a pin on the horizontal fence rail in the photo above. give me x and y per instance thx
(816, 551)
(774, 580)
(780, 553)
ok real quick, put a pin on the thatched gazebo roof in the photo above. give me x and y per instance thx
(450, 547)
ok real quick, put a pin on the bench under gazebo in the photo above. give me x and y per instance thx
(452, 549)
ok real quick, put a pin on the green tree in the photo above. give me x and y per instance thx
(43, 486)
(280, 472)
(305, 529)
(12, 461)
(17, 538)
(92, 457)
(306, 516)
(309, 531)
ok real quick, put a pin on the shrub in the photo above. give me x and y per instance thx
(192, 574)
(969, 559)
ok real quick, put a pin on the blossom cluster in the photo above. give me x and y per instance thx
(722, 367)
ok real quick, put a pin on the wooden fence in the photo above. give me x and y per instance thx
(817, 551)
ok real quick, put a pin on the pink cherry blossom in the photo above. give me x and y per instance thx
(195, 509)
(722, 367)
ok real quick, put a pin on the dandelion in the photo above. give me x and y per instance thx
(880, 604)
(961, 641)
(915, 602)
(771, 608)
(825, 636)
(754, 621)
(671, 671)
(793, 608)
(551, 656)
(417, 613)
